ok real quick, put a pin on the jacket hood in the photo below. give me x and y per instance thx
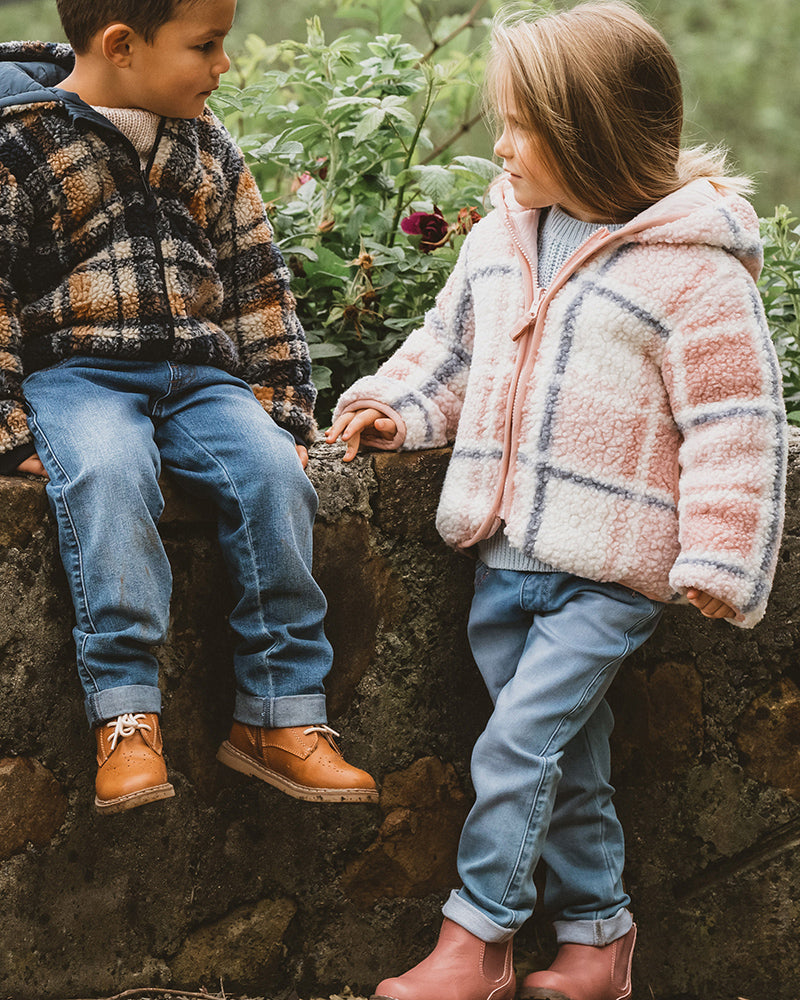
(699, 213)
(30, 70)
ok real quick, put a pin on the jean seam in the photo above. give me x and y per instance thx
(603, 822)
(82, 659)
(250, 544)
(164, 395)
(70, 520)
(618, 660)
(528, 826)
(589, 687)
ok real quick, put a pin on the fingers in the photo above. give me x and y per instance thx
(302, 453)
(386, 427)
(352, 422)
(350, 426)
(709, 605)
(352, 438)
(338, 427)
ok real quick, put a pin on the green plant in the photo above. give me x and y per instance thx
(338, 137)
(780, 291)
(352, 142)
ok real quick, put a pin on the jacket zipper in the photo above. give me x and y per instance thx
(533, 295)
(533, 321)
(151, 202)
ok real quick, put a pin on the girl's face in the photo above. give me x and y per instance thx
(526, 165)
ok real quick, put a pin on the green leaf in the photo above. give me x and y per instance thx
(485, 169)
(321, 377)
(326, 350)
(371, 122)
(328, 263)
(434, 182)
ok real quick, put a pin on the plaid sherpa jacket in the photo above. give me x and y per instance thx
(98, 257)
(624, 425)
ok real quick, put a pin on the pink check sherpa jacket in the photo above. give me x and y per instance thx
(625, 424)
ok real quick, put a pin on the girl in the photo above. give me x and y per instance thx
(600, 357)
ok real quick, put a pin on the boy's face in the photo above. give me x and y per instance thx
(175, 73)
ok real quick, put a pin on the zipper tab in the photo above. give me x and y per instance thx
(529, 319)
(149, 197)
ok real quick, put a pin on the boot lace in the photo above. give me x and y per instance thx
(326, 731)
(321, 728)
(127, 725)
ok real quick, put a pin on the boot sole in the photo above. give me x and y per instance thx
(241, 762)
(134, 799)
(500, 989)
(538, 994)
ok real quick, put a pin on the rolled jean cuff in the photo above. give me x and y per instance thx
(594, 932)
(473, 920)
(111, 702)
(280, 713)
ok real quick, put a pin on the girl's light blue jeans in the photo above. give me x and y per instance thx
(104, 429)
(548, 646)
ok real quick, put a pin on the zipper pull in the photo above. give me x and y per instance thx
(149, 197)
(529, 318)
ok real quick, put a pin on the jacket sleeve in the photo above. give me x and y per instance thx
(724, 383)
(424, 382)
(259, 308)
(15, 218)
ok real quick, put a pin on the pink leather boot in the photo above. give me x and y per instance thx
(585, 972)
(460, 967)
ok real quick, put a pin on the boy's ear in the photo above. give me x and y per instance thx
(117, 44)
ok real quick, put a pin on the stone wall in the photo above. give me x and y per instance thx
(232, 880)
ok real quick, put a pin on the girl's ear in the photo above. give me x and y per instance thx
(117, 44)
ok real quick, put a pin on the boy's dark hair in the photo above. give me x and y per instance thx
(82, 19)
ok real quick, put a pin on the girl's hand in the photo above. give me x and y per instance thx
(709, 606)
(302, 453)
(352, 424)
(33, 466)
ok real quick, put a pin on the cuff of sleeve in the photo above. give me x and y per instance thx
(700, 576)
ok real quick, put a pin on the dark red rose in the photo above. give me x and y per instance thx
(430, 226)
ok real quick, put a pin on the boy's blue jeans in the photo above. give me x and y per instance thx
(104, 429)
(548, 646)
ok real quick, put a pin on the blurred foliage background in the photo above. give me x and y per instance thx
(362, 122)
(739, 60)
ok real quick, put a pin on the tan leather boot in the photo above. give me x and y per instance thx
(302, 761)
(130, 763)
(585, 972)
(460, 967)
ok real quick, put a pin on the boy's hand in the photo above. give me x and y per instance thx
(352, 424)
(709, 606)
(302, 453)
(33, 466)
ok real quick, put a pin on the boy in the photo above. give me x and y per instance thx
(146, 322)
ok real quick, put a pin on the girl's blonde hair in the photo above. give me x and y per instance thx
(599, 88)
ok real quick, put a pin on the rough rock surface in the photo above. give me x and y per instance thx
(232, 881)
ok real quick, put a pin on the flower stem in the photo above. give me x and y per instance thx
(398, 209)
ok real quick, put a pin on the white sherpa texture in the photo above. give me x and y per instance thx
(635, 432)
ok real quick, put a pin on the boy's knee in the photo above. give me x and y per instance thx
(119, 477)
